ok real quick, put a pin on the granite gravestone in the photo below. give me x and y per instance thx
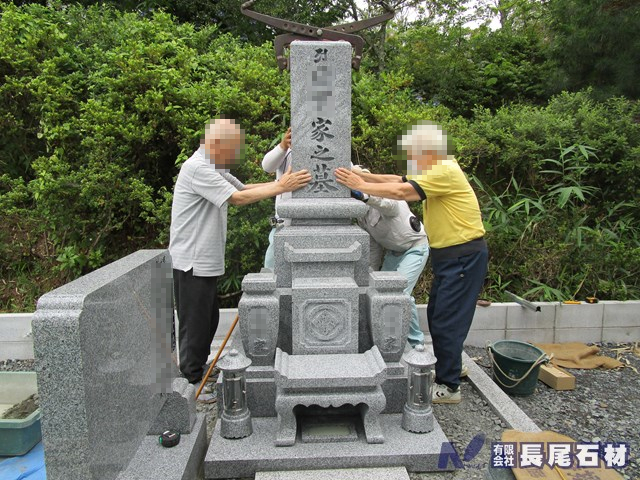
(106, 379)
(321, 115)
(326, 388)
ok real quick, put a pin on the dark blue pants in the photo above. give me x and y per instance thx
(454, 292)
(198, 314)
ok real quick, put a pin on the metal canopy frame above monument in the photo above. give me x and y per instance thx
(301, 31)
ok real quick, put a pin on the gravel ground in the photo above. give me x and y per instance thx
(603, 407)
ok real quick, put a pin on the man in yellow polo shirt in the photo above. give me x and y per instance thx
(459, 254)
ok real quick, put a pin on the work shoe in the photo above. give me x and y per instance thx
(207, 395)
(443, 394)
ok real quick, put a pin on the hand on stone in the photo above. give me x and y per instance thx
(349, 178)
(285, 144)
(293, 181)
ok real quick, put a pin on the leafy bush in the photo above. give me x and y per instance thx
(109, 106)
(515, 141)
(99, 109)
(462, 68)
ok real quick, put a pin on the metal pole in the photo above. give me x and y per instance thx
(215, 360)
(522, 301)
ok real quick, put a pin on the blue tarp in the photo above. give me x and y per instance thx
(29, 466)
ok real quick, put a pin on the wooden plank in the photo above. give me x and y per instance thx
(556, 378)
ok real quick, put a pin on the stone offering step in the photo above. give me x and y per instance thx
(330, 371)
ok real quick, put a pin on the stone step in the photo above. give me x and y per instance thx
(331, 370)
(182, 462)
(386, 473)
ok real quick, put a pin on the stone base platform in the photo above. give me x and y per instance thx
(182, 462)
(258, 453)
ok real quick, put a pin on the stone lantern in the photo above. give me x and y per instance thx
(236, 417)
(417, 416)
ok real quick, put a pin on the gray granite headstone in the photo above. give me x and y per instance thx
(340, 331)
(321, 114)
(102, 345)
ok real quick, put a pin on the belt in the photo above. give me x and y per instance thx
(455, 251)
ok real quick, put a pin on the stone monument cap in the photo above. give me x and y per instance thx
(419, 357)
(234, 361)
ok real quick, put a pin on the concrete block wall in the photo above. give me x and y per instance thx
(16, 341)
(608, 321)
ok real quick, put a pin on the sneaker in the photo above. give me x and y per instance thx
(443, 394)
(464, 371)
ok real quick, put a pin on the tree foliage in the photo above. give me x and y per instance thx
(596, 44)
(99, 108)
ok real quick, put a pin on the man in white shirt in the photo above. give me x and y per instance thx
(199, 231)
(277, 160)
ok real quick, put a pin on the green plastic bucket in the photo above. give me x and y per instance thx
(516, 365)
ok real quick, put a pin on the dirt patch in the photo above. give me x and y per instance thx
(23, 409)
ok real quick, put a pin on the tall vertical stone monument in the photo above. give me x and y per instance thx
(325, 336)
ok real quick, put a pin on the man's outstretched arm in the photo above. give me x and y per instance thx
(393, 190)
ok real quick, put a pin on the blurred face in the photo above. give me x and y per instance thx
(224, 144)
(418, 163)
(223, 152)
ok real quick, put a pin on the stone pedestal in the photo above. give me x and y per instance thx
(259, 311)
(341, 331)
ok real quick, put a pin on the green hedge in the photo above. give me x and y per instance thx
(99, 109)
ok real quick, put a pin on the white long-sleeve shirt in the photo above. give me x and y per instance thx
(278, 160)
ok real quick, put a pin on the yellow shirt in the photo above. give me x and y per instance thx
(451, 209)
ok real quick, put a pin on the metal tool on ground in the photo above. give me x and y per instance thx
(215, 360)
(301, 31)
(169, 439)
(522, 301)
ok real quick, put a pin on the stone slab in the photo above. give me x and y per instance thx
(179, 410)
(325, 316)
(584, 315)
(388, 473)
(480, 338)
(493, 317)
(330, 371)
(257, 453)
(502, 405)
(584, 335)
(621, 314)
(519, 317)
(387, 281)
(335, 208)
(309, 239)
(532, 335)
(320, 115)
(621, 334)
(182, 462)
(102, 345)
